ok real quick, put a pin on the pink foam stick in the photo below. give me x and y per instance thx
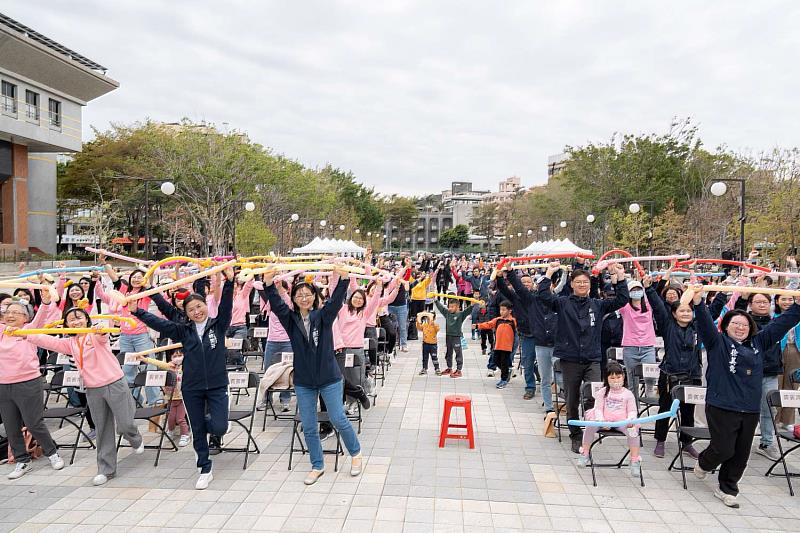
(364, 276)
(117, 256)
(221, 257)
(287, 275)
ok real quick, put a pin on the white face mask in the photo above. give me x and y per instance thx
(637, 294)
(615, 386)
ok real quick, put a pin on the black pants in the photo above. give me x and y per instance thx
(487, 334)
(575, 375)
(665, 385)
(415, 308)
(731, 438)
(198, 403)
(429, 350)
(441, 288)
(371, 332)
(502, 358)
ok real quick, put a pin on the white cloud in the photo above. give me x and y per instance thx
(411, 95)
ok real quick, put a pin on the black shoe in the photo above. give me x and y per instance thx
(362, 398)
(214, 445)
(325, 431)
(576, 446)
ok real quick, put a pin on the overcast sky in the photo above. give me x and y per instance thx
(411, 95)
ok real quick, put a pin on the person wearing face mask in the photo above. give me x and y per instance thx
(107, 392)
(736, 360)
(204, 383)
(681, 364)
(638, 331)
(579, 323)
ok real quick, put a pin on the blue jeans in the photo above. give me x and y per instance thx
(307, 404)
(137, 343)
(514, 351)
(197, 403)
(528, 357)
(401, 312)
(768, 383)
(544, 357)
(272, 355)
(634, 355)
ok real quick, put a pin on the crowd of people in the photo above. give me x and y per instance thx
(738, 344)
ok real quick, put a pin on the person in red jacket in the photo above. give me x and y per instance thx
(505, 328)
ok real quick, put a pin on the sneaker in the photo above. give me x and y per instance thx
(659, 451)
(699, 472)
(636, 468)
(501, 384)
(214, 447)
(284, 408)
(576, 445)
(727, 499)
(325, 433)
(313, 476)
(100, 479)
(447, 371)
(363, 396)
(456, 374)
(204, 480)
(438, 372)
(184, 441)
(483, 351)
(423, 372)
(20, 470)
(529, 394)
(490, 374)
(583, 460)
(691, 451)
(89, 436)
(140, 449)
(770, 452)
(356, 465)
(262, 406)
(56, 462)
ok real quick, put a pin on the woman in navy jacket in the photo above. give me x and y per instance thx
(733, 395)
(316, 372)
(205, 381)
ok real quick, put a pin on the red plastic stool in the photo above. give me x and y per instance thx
(457, 400)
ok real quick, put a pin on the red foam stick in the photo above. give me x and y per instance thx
(570, 255)
(625, 253)
(741, 264)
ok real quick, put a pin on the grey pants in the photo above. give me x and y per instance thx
(109, 404)
(22, 404)
(453, 344)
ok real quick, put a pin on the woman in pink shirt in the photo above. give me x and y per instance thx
(107, 391)
(352, 322)
(277, 338)
(21, 398)
(638, 331)
(386, 294)
(241, 307)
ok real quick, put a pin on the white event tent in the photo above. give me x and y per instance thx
(330, 246)
(557, 246)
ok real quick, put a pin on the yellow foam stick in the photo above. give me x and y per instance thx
(158, 349)
(131, 322)
(125, 299)
(62, 331)
(204, 263)
(451, 297)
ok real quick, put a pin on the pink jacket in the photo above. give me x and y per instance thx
(276, 332)
(389, 295)
(241, 304)
(95, 361)
(122, 310)
(352, 325)
(616, 406)
(18, 358)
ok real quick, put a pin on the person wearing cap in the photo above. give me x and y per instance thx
(638, 331)
(21, 394)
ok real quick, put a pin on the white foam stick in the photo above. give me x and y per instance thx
(117, 256)
(158, 349)
(125, 299)
(605, 262)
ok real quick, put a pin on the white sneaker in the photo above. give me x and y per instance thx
(699, 472)
(56, 462)
(313, 476)
(490, 374)
(140, 449)
(727, 499)
(770, 452)
(356, 465)
(203, 481)
(99, 479)
(184, 441)
(20, 470)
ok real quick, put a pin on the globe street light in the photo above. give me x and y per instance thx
(530, 232)
(295, 217)
(634, 208)
(718, 188)
(168, 188)
(323, 223)
(544, 229)
(250, 206)
(563, 224)
(589, 218)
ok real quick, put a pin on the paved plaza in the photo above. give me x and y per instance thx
(514, 480)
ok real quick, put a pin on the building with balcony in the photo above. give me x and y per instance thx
(556, 163)
(43, 88)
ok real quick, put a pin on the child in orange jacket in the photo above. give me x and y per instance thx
(505, 328)
(429, 328)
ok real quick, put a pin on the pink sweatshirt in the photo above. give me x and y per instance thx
(122, 310)
(241, 304)
(95, 361)
(18, 358)
(637, 327)
(389, 294)
(617, 406)
(352, 325)
(276, 332)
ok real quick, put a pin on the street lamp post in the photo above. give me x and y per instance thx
(634, 209)
(719, 188)
(167, 187)
(249, 207)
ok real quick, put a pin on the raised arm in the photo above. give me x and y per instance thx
(524, 295)
(165, 327)
(706, 331)
(659, 310)
(225, 305)
(166, 308)
(774, 332)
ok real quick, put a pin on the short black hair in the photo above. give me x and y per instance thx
(192, 297)
(727, 317)
(508, 305)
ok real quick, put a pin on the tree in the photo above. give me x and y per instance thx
(455, 237)
(485, 221)
(402, 213)
(253, 236)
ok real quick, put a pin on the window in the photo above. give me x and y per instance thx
(9, 99)
(31, 105)
(54, 108)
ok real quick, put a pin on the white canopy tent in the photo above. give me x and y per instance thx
(557, 246)
(330, 246)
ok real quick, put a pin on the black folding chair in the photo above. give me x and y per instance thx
(602, 434)
(645, 390)
(695, 395)
(51, 365)
(65, 414)
(252, 346)
(154, 414)
(238, 416)
(321, 417)
(779, 399)
(560, 397)
(383, 357)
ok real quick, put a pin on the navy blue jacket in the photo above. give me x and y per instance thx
(735, 370)
(773, 356)
(682, 352)
(203, 359)
(314, 357)
(541, 319)
(520, 309)
(580, 321)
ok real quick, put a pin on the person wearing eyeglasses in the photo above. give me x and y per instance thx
(21, 398)
(737, 356)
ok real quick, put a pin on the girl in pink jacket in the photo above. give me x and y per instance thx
(107, 390)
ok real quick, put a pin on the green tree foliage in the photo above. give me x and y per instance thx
(253, 236)
(455, 237)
